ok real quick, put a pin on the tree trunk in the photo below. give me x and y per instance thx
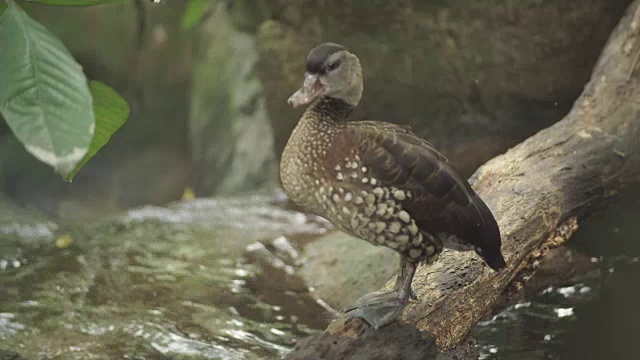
(537, 191)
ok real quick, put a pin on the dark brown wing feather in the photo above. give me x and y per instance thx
(442, 201)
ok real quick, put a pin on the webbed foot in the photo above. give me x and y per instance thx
(381, 308)
(378, 308)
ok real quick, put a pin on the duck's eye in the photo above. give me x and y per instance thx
(332, 66)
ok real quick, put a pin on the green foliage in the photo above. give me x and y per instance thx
(44, 96)
(193, 13)
(46, 100)
(247, 15)
(111, 113)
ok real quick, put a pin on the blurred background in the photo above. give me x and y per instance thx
(113, 265)
(209, 104)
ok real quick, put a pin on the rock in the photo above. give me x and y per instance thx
(230, 137)
(472, 72)
(341, 268)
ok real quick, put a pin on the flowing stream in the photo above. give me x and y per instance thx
(218, 279)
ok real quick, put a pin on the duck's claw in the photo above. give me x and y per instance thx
(378, 308)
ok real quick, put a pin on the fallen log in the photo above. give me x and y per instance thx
(537, 191)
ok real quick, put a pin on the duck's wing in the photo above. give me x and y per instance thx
(442, 201)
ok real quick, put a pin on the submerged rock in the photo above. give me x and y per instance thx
(341, 268)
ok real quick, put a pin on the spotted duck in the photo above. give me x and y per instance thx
(379, 182)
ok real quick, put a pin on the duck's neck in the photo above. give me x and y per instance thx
(310, 143)
(330, 109)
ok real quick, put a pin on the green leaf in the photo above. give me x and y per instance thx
(111, 112)
(193, 13)
(44, 96)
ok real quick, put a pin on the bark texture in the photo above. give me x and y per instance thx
(537, 191)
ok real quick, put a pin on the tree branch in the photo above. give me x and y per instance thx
(542, 185)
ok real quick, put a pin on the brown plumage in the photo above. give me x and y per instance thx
(443, 203)
(378, 181)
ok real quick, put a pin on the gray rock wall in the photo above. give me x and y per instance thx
(230, 137)
(474, 77)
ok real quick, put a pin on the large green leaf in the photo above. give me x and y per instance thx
(44, 96)
(111, 112)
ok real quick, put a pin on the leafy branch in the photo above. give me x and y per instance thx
(57, 114)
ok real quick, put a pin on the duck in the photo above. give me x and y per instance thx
(379, 182)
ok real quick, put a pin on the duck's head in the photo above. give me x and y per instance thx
(331, 71)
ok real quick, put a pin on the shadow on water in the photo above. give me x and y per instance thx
(593, 316)
(218, 279)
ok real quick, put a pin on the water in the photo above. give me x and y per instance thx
(218, 279)
(594, 315)
(183, 282)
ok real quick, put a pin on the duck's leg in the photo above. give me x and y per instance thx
(403, 277)
(383, 307)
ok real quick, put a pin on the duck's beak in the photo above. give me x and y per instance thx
(311, 89)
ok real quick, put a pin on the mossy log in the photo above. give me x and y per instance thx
(538, 191)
